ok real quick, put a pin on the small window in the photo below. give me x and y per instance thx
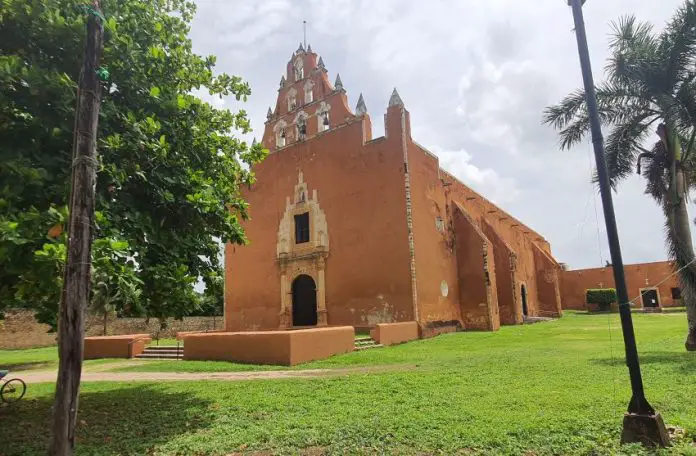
(676, 293)
(302, 228)
(280, 139)
(308, 94)
(292, 102)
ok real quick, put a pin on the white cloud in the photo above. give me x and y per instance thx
(486, 181)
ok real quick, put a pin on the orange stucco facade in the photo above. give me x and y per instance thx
(658, 276)
(345, 229)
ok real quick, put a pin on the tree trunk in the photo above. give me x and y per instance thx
(679, 236)
(76, 287)
(106, 316)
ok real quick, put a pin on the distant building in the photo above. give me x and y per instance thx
(649, 284)
(347, 229)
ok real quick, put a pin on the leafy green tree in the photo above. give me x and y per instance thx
(115, 284)
(170, 169)
(651, 87)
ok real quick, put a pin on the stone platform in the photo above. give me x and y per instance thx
(286, 348)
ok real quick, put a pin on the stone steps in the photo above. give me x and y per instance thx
(365, 343)
(162, 352)
(174, 352)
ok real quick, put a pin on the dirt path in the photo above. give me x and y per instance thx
(94, 375)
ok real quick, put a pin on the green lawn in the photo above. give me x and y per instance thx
(44, 358)
(549, 388)
(33, 358)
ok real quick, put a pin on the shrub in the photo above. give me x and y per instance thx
(602, 297)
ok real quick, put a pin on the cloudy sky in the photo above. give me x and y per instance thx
(475, 76)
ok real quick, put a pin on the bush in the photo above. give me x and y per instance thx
(601, 297)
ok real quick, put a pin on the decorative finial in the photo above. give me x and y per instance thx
(300, 49)
(360, 108)
(253, 143)
(320, 64)
(309, 48)
(395, 99)
(269, 114)
(282, 81)
(338, 85)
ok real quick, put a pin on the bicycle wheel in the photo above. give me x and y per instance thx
(13, 390)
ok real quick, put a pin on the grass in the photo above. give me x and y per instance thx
(33, 358)
(549, 388)
(165, 341)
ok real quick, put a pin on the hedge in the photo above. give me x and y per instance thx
(603, 297)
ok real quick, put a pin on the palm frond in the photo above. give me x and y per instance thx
(575, 132)
(562, 114)
(634, 55)
(685, 99)
(654, 172)
(616, 103)
(623, 145)
(677, 43)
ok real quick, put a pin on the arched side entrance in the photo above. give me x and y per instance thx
(525, 309)
(304, 301)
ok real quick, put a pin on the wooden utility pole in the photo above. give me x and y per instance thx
(77, 286)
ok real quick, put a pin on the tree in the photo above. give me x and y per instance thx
(115, 284)
(170, 169)
(651, 86)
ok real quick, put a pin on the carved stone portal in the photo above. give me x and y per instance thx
(305, 258)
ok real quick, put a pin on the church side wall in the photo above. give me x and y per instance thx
(436, 260)
(517, 236)
(360, 189)
(509, 305)
(477, 281)
(548, 289)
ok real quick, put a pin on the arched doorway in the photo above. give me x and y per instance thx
(304, 301)
(525, 309)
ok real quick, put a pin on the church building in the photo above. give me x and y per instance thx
(347, 229)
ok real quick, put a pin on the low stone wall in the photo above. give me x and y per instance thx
(20, 329)
(395, 333)
(115, 346)
(286, 348)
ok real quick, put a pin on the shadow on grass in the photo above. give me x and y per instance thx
(684, 363)
(128, 420)
(17, 367)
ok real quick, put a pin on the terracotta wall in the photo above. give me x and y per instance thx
(436, 260)
(395, 333)
(20, 329)
(509, 302)
(270, 347)
(478, 295)
(513, 246)
(548, 288)
(126, 346)
(323, 92)
(638, 276)
(360, 190)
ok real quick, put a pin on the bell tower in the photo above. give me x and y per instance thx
(307, 105)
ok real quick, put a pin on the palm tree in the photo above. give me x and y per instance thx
(651, 87)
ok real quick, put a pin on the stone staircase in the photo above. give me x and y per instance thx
(162, 352)
(366, 342)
